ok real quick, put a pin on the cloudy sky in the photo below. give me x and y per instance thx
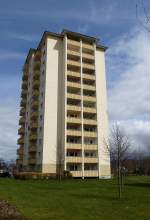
(127, 60)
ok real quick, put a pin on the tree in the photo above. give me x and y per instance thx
(118, 148)
(141, 11)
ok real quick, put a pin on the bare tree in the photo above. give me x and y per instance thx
(118, 148)
(142, 15)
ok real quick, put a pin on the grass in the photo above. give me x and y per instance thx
(79, 199)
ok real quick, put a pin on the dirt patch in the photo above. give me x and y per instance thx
(9, 212)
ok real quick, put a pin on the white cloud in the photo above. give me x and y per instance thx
(129, 92)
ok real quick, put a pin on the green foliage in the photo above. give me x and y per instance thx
(78, 199)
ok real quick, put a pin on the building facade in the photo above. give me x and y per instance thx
(63, 114)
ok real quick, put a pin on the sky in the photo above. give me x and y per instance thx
(127, 59)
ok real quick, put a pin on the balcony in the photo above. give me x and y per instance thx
(89, 87)
(73, 96)
(36, 74)
(73, 73)
(33, 137)
(74, 159)
(88, 76)
(73, 108)
(91, 173)
(90, 134)
(89, 110)
(88, 66)
(73, 63)
(34, 125)
(35, 93)
(32, 161)
(32, 149)
(34, 104)
(74, 120)
(90, 160)
(24, 93)
(36, 84)
(89, 98)
(37, 65)
(19, 161)
(88, 56)
(21, 121)
(21, 130)
(25, 76)
(22, 112)
(90, 147)
(20, 151)
(76, 173)
(37, 56)
(73, 84)
(23, 103)
(74, 146)
(73, 53)
(73, 42)
(74, 133)
(34, 115)
(24, 85)
(88, 46)
(89, 122)
(20, 141)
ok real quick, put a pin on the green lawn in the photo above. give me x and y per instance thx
(79, 199)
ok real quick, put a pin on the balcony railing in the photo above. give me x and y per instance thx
(34, 114)
(35, 93)
(21, 121)
(73, 84)
(88, 66)
(74, 159)
(33, 137)
(24, 93)
(90, 146)
(73, 42)
(34, 125)
(21, 130)
(34, 104)
(73, 96)
(32, 161)
(89, 87)
(73, 53)
(89, 110)
(89, 122)
(20, 151)
(36, 84)
(90, 160)
(20, 141)
(76, 173)
(74, 133)
(23, 103)
(90, 134)
(73, 73)
(74, 120)
(89, 98)
(73, 108)
(36, 74)
(91, 173)
(32, 149)
(25, 76)
(22, 111)
(24, 85)
(74, 146)
(88, 76)
(88, 56)
(73, 63)
(88, 46)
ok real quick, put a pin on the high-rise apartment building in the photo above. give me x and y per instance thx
(63, 116)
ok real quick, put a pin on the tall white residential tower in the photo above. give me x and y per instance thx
(63, 115)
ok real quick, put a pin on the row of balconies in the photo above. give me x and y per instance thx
(78, 64)
(78, 109)
(80, 159)
(87, 173)
(78, 133)
(77, 53)
(84, 75)
(78, 146)
(78, 97)
(78, 85)
(79, 121)
(77, 44)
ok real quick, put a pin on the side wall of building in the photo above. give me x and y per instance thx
(52, 118)
(102, 115)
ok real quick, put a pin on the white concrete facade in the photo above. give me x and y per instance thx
(65, 103)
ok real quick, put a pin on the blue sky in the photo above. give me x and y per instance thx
(114, 22)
